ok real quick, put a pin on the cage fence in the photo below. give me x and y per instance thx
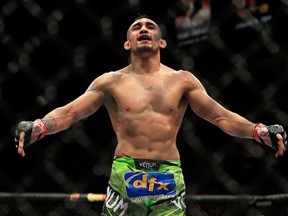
(58, 204)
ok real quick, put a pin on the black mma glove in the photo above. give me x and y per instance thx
(261, 132)
(29, 127)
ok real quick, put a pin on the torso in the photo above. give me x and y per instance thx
(146, 112)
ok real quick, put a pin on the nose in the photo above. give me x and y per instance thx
(143, 29)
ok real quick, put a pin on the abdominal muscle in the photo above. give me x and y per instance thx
(146, 113)
(149, 135)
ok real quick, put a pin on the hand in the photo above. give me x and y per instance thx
(21, 144)
(28, 132)
(281, 146)
(273, 135)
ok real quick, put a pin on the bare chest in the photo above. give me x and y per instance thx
(159, 94)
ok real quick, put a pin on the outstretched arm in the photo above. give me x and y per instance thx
(232, 123)
(61, 118)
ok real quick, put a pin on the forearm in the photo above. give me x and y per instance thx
(28, 132)
(273, 136)
(236, 125)
(58, 120)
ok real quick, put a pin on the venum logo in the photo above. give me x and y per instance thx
(115, 203)
(147, 165)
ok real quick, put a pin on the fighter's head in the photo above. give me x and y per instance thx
(139, 17)
(144, 34)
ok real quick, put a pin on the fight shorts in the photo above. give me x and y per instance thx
(139, 187)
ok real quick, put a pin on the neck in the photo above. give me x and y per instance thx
(145, 65)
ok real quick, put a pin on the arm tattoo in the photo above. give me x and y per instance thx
(50, 125)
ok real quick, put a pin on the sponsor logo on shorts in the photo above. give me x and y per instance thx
(147, 165)
(115, 203)
(179, 201)
(140, 184)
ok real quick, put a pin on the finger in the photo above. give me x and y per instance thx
(21, 144)
(21, 151)
(279, 137)
(281, 146)
(21, 138)
(280, 152)
(280, 142)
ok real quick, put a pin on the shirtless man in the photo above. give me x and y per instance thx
(146, 102)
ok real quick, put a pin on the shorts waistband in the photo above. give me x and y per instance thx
(148, 164)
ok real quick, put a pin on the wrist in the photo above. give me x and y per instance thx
(261, 135)
(268, 135)
(259, 131)
(41, 127)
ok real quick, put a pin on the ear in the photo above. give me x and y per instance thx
(162, 43)
(127, 45)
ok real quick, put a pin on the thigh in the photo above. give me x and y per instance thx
(170, 207)
(117, 205)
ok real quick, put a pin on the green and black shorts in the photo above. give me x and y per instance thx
(141, 187)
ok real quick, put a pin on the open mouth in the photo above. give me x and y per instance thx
(143, 37)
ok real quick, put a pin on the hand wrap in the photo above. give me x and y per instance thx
(261, 132)
(28, 127)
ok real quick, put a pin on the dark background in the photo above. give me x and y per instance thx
(50, 51)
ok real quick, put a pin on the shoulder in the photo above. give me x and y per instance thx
(188, 80)
(181, 75)
(184, 75)
(177, 73)
(106, 79)
(109, 76)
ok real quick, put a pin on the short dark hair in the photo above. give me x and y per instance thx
(140, 16)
